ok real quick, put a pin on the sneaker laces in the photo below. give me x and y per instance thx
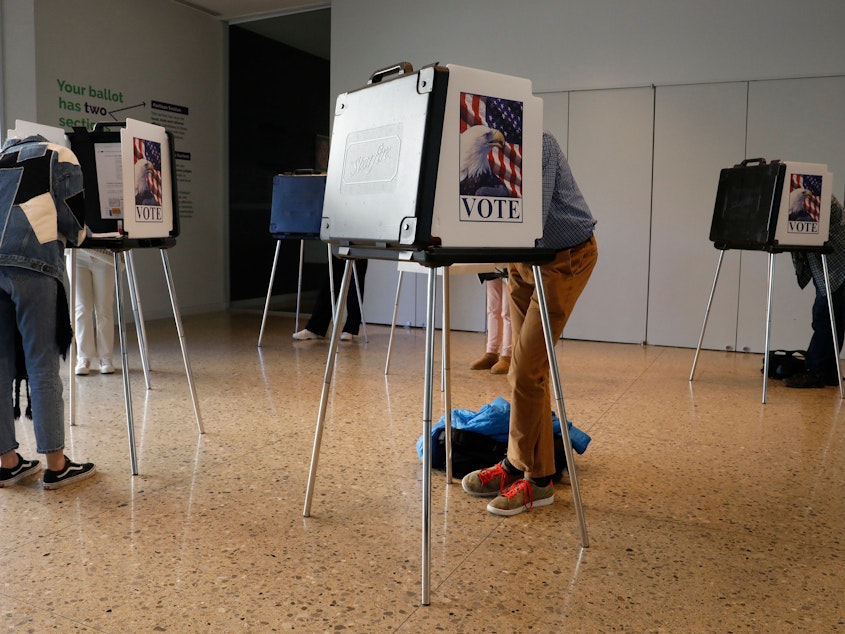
(521, 486)
(491, 473)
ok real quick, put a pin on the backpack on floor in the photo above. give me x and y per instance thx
(471, 451)
(785, 363)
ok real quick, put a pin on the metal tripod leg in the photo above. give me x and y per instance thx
(165, 261)
(832, 325)
(445, 373)
(393, 323)
(706, 313)
(140, 328)
(127, 389)
(561, 410)
(324, 397)
(298, 280)
(270, 292)
(426, 462)
(72, 353)
(769, 326)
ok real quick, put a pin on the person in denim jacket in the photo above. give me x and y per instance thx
(41, 208)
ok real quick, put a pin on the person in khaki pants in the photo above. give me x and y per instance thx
(524, 478)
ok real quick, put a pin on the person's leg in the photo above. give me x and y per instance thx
(8, 327)
(321, 314)
(503, 364)
(820, 359)
(34, 296)
(86, 345)
(530, 442)
(494, 331)
(102, 280)
(353, 310)
(507, 330)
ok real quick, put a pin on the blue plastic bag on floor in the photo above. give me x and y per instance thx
(491, 420)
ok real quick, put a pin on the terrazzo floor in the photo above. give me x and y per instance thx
(706, 510)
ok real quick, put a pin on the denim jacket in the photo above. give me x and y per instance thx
(41, 204)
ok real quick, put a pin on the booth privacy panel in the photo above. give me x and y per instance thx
(297, 205)
(446, 156)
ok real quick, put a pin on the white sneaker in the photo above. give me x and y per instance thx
(305, 334)
(346, 336)
(82, 367)
(106, 366)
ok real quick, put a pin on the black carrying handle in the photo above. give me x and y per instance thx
(402, 68)
(756, 161)
(102, 125)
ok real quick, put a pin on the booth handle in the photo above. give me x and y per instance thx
(102, 125)
(758, 161)
(402, 68)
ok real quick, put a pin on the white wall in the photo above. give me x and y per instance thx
(124, 54)
(648, 151)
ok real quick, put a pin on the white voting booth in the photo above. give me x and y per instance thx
(438, 166)
(131, 203)
(777, 207)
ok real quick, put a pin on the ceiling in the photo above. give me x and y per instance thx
(302, 24)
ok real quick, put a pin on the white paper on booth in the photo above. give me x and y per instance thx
(147, 186)
(109, 180)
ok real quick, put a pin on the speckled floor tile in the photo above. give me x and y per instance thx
(706, 510)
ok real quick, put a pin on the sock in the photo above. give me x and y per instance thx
(542, 482)
(510, 468)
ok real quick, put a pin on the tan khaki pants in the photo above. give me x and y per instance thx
(530, 442)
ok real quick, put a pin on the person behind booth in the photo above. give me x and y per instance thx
(321, 315)
(820, 360)
(497, 356)
(524, 478)
(41, 208)
(94, 311)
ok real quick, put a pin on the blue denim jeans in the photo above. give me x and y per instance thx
(28, 300)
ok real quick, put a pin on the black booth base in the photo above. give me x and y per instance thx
(445, 256)
(126, 244)
(771, 248)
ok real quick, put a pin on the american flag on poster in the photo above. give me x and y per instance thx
(805, 194)
(147, 172)
(491, 146)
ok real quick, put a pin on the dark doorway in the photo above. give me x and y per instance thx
(279, 107)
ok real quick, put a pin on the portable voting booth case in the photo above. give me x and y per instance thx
(440, 166)
(296, 211)
(779, 206)
(107, 212)
(131, 202)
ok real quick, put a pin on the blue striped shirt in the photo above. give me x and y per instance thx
(567, 221)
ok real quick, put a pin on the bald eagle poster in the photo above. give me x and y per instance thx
(804, 214)
(147, 180)
(490, 159)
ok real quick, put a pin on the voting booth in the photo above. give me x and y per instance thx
(130, 188)
(437, 166)
(296, 211)
(777, 207)
(130, 203)
(446, 157)
(772, 206)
